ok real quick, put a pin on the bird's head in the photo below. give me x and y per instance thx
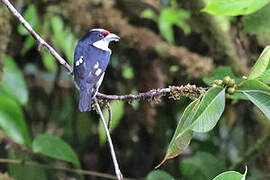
(100, 38)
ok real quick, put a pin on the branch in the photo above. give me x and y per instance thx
(57, 168)
(40, 41)
(116, 166)
(175, 92)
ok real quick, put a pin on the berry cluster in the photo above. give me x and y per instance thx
(228, 82)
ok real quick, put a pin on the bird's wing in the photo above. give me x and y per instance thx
(79, 65)
(89, 65)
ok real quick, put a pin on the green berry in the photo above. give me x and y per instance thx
(218, 82)
(227, 79)
(227, 96)
(214, 85)
(231, 90)
(231, 83)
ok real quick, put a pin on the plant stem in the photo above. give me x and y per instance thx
(116, 166)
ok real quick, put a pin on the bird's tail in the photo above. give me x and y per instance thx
(85, 100)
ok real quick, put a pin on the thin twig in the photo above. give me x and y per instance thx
(40, 41)
(145, 95)
(188, 90)
(57, 168)
(116, 166)
(110, 115)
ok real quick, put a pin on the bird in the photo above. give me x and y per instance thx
(91, 58)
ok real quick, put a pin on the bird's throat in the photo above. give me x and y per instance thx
(101, 44)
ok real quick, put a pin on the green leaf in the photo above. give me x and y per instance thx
(117, 114)
(63, 38)
(12, 120)
(253, 84)
(127, 72)
(261, 64)
(234, 7)
(258, 22)
(31, 17)
(182, 134)
(170, 17)
(200, 116)
(197, 167)
(49, 61)
(13, 82)
(265, 76)
(210, 110)
(149, 14)
(220, 73)
(159, 175)
(54, 147)
(231, 175)
(28, 44)
(261, 99)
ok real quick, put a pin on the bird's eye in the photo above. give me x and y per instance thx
(100, 35)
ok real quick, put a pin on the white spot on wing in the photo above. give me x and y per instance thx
(97, 73)
(81, 59)
(96, 65)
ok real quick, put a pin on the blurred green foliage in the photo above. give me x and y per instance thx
(219, 73)
(258, 22)
(31, 16)
(13, 82)
(234, 8)
(198, 166)
(170, 17)
(167, 19)
(159, 175)
(54, 147)
(118, 110)
(63, 38)
(12, 120)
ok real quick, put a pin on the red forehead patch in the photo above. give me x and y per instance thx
(105, 32)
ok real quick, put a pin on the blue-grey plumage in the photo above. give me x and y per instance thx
(91, 59)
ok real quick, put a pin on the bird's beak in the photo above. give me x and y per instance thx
(111, 37)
